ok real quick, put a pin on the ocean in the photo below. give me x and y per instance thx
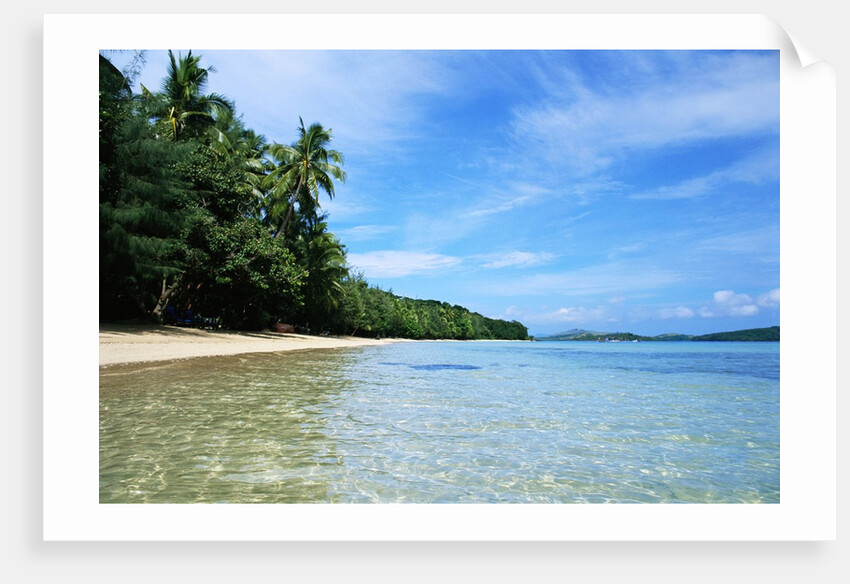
(448, 422)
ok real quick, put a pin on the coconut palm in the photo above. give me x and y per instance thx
(181, 105)
(323, 257)
(245, 149)
(300, 172)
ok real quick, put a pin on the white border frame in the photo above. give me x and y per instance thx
(808, 281)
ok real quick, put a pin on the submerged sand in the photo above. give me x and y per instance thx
(121, 343)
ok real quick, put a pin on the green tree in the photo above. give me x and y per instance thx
(243, 275)
(323, 258)
(350, 316)
(299, 173)
(141, 203)
(245, 150)
(181, 107)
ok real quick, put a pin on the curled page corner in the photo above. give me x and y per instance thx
(789, 42)
(806, 56)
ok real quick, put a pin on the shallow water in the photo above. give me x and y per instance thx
(448, 422)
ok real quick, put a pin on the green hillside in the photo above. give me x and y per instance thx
(583, 335)
(769, 334)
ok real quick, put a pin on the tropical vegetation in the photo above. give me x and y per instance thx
(203, 221)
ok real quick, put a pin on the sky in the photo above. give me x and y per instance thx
(604, 190)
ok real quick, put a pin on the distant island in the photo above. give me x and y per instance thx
(769, 334)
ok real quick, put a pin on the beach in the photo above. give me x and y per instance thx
(131, 343)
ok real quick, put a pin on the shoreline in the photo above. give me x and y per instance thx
(123, 344)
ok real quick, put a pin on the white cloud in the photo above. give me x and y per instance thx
(577, 314)
(729, 297)
(396, 264)
(732, 304)
(519, 259)
(746, 310)
(511, 311)
(678, 312)
(573, 314)
(769, 299)
(581, 315)
(729, 303)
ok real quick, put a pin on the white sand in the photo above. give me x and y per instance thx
(139, 343)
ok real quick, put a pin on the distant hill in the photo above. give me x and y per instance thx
(769, 334)
(572, 335)
(583, 335)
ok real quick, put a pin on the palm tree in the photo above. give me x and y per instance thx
(181, 104)
(323, 257)
(255, 166)
(245, 149)
(301, 171)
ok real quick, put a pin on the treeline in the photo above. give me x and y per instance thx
(369, 311)
(769, 334)
(204, 221)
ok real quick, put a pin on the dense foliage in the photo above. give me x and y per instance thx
(369, 311)
(203, 222)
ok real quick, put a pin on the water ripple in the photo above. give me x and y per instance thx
(448, 423)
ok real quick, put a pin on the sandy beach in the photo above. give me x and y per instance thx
(120, 344)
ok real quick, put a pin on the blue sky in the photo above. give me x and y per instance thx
(605, 190)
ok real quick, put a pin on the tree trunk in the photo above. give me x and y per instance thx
(282, 228)
(165, 296)
(288, 217)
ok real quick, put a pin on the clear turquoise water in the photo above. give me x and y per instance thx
(448, 422)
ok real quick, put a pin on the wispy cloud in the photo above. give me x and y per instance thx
(566, 314)
(677, 312)
(366, 97)
(753, 169)
(366, 232)
(760, 241)
(502, 200)
(397, 264)
(587, 128)
(518, 259)
(610, 279)
(351, 206)
(578, 314)
(627, 250)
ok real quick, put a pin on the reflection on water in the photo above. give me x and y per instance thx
(447, 422)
